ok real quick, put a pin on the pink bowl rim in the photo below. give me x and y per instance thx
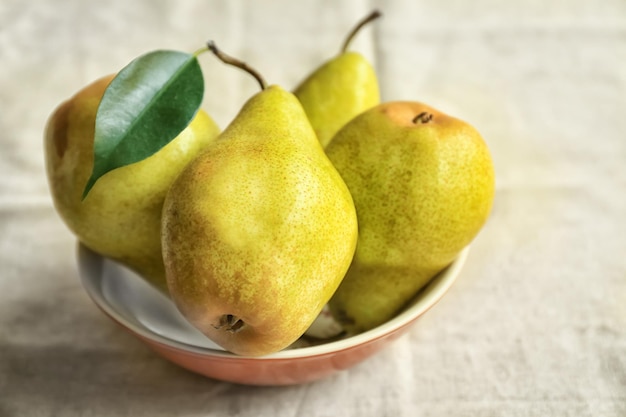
(90, 272)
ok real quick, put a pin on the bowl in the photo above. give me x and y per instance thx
(153, 318)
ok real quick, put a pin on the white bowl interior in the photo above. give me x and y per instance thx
(135, 304)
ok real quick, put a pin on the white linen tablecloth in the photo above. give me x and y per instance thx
(535, 324)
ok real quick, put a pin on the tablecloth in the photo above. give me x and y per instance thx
(535, 325)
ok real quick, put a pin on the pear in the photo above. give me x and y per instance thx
(339, 89)
(423, 187)
(121, 216)
(259, 230)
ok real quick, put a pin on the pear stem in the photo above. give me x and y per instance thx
(423, 117)
(372, 16)
(236, 63)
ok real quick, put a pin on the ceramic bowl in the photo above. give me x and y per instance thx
(153, 318)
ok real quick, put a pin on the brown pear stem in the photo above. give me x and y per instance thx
(423, 117)
(372, 16)
(236, 63)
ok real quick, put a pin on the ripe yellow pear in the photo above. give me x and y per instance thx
(339, 89)
(121, 216)
(423, 186)
(259, 230)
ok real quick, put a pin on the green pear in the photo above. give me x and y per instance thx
(339, 89)
(423, 186)
(121, 216)
(259, 230)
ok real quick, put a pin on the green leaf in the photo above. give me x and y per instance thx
(146, 105)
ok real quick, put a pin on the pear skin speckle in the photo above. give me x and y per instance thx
(337, 91)
(423, 186)
(121, 216)
(259, 230)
